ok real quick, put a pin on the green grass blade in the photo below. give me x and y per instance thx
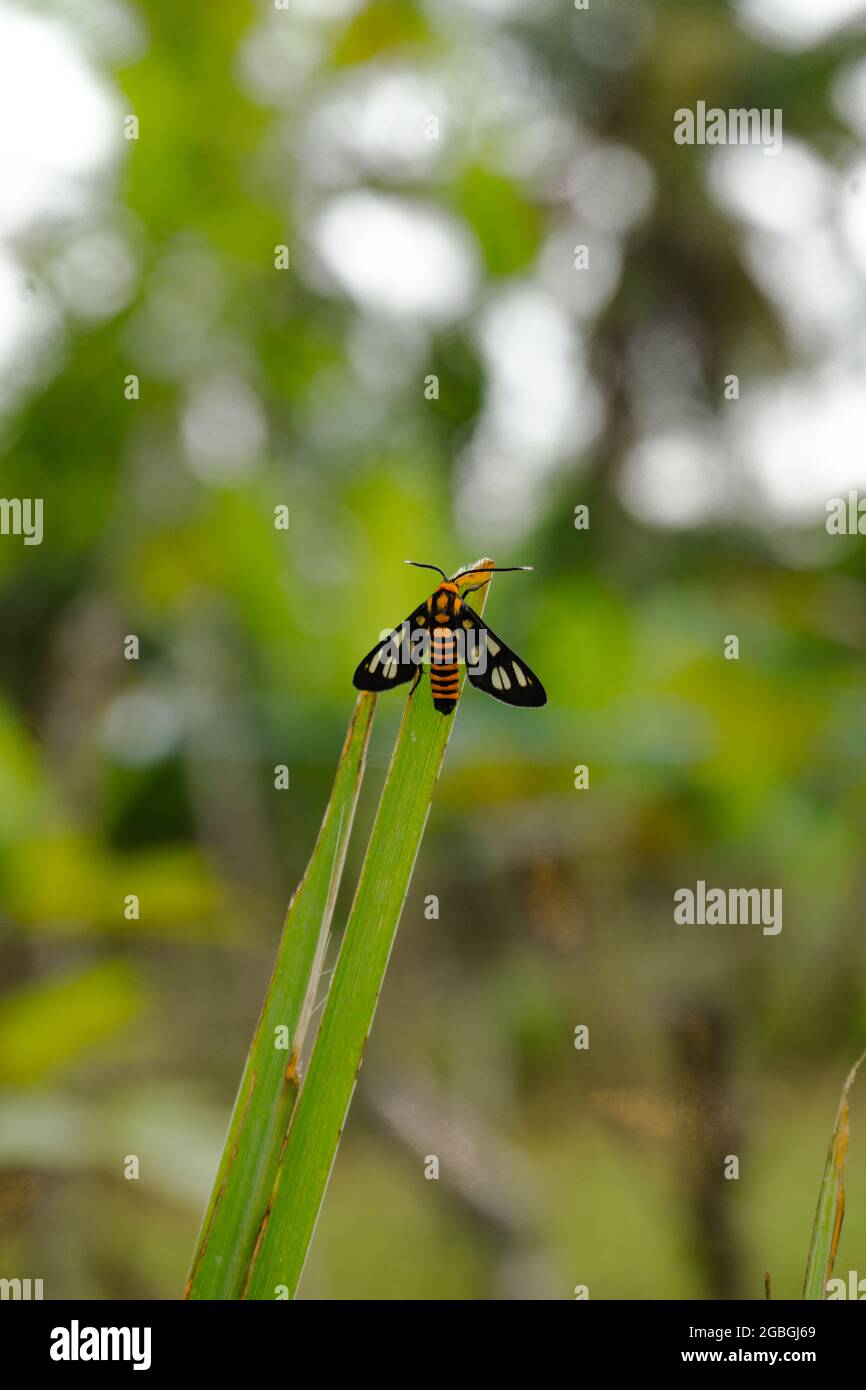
(269, 1086)
(336, 1057)
(831, 1202)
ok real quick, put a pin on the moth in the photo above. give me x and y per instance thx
(444, 633)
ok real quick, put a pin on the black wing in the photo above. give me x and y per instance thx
(506, 677)
(388, 663)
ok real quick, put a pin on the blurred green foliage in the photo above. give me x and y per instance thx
(154, 777)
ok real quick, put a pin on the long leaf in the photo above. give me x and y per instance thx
(317, 1124)
(831, 1202)
(270, 1082)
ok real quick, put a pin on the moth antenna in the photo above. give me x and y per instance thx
(492, 569)
(420, 565)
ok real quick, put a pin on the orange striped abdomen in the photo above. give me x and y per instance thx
(444, 670)
(444, 679)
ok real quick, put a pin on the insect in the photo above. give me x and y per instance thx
(444, 632)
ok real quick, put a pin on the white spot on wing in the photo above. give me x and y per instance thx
(521, 679)
(492, 647)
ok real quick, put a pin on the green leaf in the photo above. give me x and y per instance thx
(269, 1085)
(49, 1024)
(378, 29)
(831, 1202)
(506, 225)
(320, 1114)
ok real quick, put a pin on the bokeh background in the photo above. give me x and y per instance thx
(418, 250)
